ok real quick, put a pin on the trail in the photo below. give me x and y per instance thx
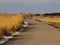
(38, 33)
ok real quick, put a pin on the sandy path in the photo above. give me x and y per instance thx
(37, 34)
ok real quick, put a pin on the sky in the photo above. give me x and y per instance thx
(30, 6)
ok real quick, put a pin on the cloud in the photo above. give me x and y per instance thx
(29, 1)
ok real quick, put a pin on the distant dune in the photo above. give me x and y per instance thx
(49, 18)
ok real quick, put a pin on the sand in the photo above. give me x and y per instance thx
(37, 33)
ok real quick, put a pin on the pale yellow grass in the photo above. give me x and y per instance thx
(10, 23)
(47, 19)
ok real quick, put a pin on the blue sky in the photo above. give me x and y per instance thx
(32, 6)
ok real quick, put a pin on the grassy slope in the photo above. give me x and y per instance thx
(51, 20)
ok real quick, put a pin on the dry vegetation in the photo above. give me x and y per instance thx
(51, 19)
(9, 23)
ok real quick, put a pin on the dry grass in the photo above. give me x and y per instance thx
(9, 23)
